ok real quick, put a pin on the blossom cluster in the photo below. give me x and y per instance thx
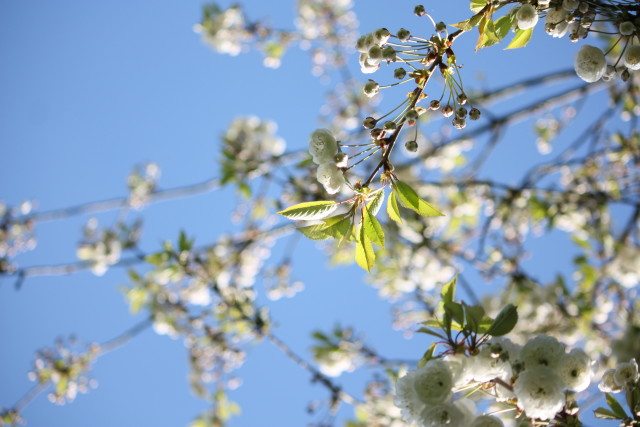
(142, 182)
(16, 231)
(248, 145)
(624, 377)
(101, 248)
(323, 148)
(224, 30)
(536, 375)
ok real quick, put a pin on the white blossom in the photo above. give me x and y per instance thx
(444, 415)
(331, 177)
(487, 421)
(540, 392)
(542, 350)
(555, 23)
(590, 63)
(575, 370)
(430, 385)
(460, 368)
(527, 17)
(322, 146)
(608, 383)
(626, 374)
(632, 58)
(626, 28)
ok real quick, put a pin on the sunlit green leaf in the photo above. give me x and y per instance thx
(449, 290)
(375, 203)
(372, 228)
(615, 406)
(477, 5)
(521, 38)
(410, 199)
(605, 414)
(310, 210)
(392, 208)
(365, 257)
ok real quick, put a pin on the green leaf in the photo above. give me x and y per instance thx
(137, 297)
(469, 23)
(521, 39)
(310, 210)
(428, 355)
(365, 257)
(473, 317)
(484, 325)
(503, 25)
(505, 321)
(430, 332)
(376, 202)
(244, 189)
(315, 232)
(487, 33)
(372, 228)
(448, 292)
(477, 5)
(605, 414)
(392, 208)
(410, 199)
(615, 406)
(342, 230)
(184, 244)
(455, 310)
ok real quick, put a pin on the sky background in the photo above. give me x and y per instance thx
(90, 89)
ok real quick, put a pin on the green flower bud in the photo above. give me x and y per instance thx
(403, 35)
(419, 10)
(434, 105)
(411, 146)
(371, 88)
(474, 114)
(389, 53)
(369, 123)
(399, 73)
(447, 111)
(459, 123)
(441, 27)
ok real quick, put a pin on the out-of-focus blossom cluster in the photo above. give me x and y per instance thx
(103, 248)
(248, 146)
(326, 26)
(377, 409)
(224, 30)
(279, 283)
(16, 232)
(142, 183)
(338, 352)
(66, 367)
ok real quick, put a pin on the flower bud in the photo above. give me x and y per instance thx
(632, 58)
(389, 53)
(419, 10)
(625, 76)
(341, 159)
(584, 7)
(377, 133)
(527, 17)
(411, 116)
(371, 88)
(361, 44)
(441, 27)
(462, 99)
(399, 73)
(626, 28)
(403, 35)
(474, 114)
(369, 123)
(381, 36)
(459, 123)
(590, 63)
(375, 52)
(389, 126)
(411, 146)
(461, 112)
(434, 105)
(447, 111)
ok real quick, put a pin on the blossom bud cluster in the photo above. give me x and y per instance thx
(373, 50)
(624, 377)
(16, 230)
(536, 375)
(323, 148)
(142, 182)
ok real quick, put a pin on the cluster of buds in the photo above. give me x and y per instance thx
(323, 148)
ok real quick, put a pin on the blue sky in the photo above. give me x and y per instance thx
(87, 91)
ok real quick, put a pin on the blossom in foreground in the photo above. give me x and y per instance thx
(527, 17)
(540, 392)
(590, 63)
(322, 146)
(331, 177)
